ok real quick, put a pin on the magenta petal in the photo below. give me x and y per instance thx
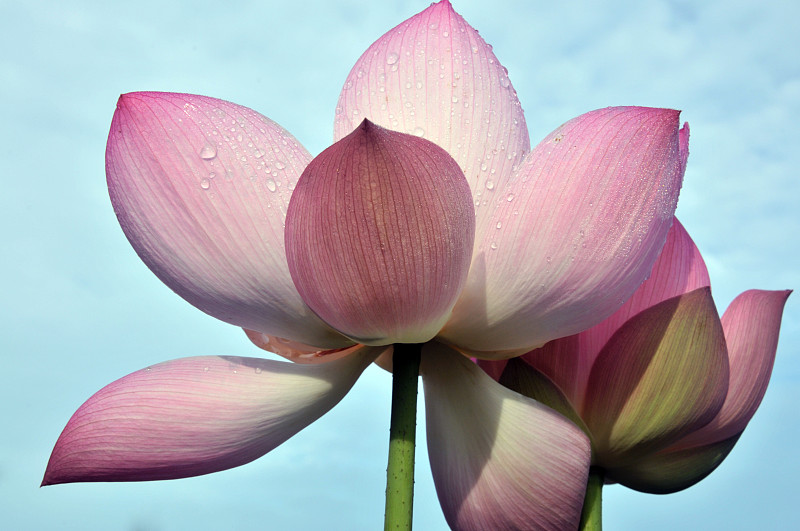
(751, 323)
(195, 416)
(379, 235)
(201, 187)
(435, 77)
(575, 233)
(499, 460)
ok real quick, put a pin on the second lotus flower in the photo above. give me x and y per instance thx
(430, 220)
(664, 387)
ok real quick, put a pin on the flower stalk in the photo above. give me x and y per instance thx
(592, 515)
(402, 436)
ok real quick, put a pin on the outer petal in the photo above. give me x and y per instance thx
(435, 77)
(195, 416)
(568, 361)
(752, 323)
(379, 236)
(200, 187)
(661, 376)
(671, 470)
(499, 460)
(576, 233)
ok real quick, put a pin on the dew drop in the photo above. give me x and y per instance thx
(205, 184)
(490, 185)
(271, 186)
(392, 58)
(208, 152)
(510, 197)
(454, 99)
(205, 369)
(418, 131)
(258, 370)
(499, 224)
(493, 246)
(280, 165)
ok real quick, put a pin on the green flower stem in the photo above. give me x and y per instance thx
(402, 434)
(592, 515)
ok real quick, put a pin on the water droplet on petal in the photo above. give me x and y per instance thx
(205, 184)
(510, 197)
(418, 131)
(271, 186)
(280, 165)
(258, 370)
(493, 246)
(391, 58)
(490, 185)
(208, 152)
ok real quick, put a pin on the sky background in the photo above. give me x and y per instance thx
(80, 310)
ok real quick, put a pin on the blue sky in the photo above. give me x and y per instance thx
(79, 309)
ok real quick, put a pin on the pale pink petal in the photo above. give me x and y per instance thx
(663, 375)
(195, 416)
(295, 351)
(576, 232)
(379, 236)
(201, 187)
(435, 77)
(678, 270)
(499, 460)
(752, 323)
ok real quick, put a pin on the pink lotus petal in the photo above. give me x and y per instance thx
(576, 232)
(195, 416)
(662, 375)
(297, 352)
(672, 470)
(201, 187)
(379, 236)
(678, 270)
(435, 77)
(499, 460)
(751, 323)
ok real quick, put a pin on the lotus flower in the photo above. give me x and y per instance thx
(663, 387)
(429, 220)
